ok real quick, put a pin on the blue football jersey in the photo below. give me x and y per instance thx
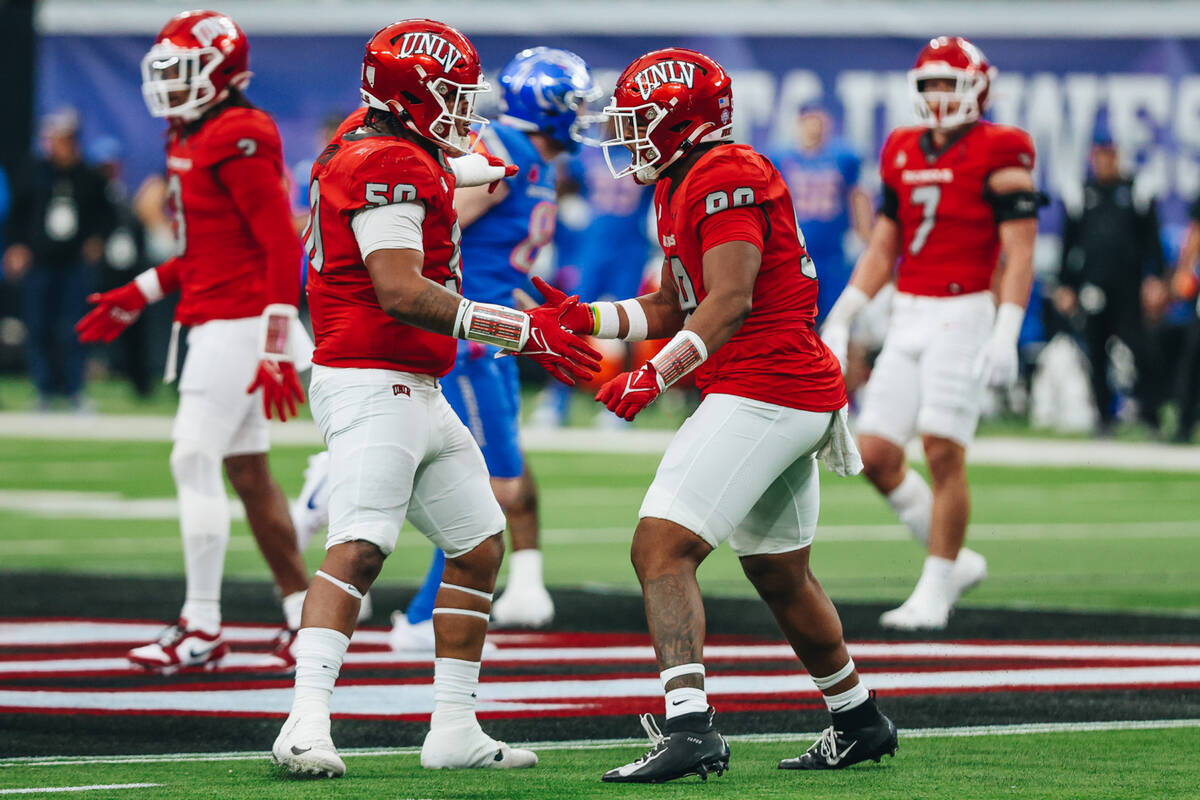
(499, 248)
(614, 247)
(820, 184)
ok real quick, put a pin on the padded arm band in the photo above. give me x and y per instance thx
(889, 203)
(492, 324)
(1016, 205)
(681, 355)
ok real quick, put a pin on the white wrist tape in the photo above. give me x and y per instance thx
(681, 355)
(851, 301)
(607, 321)
(492, 324)
(149, 285)
(638, 325)
(1008, 322)
(274, 327)
(473, 169)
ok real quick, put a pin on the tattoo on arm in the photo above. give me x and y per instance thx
(432, 308)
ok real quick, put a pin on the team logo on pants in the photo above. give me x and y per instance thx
(400, 389)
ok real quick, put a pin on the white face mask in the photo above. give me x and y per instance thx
(457, 101)
(645, 154)
(177, 82)
(932, 109)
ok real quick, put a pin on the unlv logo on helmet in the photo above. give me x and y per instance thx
(210, 29)
(656, 75)
(422, 43)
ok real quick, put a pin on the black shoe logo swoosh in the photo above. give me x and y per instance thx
(299, 751)
(194, 652)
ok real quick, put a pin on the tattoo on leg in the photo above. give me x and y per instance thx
(675, 614)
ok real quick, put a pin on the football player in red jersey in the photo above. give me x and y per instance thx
(236, 266)
(384, 292)
(738, 295)
(957, 191)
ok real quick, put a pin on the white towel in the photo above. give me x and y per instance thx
(839, 453)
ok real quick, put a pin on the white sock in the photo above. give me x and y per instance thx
(319, 653)
(935, 579)
(851, 698)
(204, 526)
(454, 685)
(525, 568)
(912, 502)
(686, 701)
(293, 609)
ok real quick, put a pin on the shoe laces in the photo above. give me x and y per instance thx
(827, 745)
(657, 739)
(170, 635)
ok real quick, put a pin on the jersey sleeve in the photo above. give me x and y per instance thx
(725, 199)
(239, 133)
(1011, 147)
(888, 174)
(395, 174)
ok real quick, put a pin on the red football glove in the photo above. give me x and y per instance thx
(114, 311)
(630, 392)
(577, 318)
(560, 352)
(509, 170)
(280, 387)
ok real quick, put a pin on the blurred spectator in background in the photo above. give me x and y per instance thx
(1111, 281)
(55, 233)
(1185, 285)
(834, 214)
(124, 258)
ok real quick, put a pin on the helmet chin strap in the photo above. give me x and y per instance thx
(708, 132)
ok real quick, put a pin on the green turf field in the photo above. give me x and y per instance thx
(1131, 765)
(1054, 537)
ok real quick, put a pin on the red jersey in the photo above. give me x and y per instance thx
(236, 250)
(950, 238)
(733, 193)
(361, 169)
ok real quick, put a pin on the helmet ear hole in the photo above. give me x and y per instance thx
(411, 98)
(680, 127)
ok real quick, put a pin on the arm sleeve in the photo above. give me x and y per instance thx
(743, 224)
(257, 190)
(1068, 274)
(1153, 261)
(16, 230)
(396, 226)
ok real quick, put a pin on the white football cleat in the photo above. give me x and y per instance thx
(915, 615)
(310, 511)
(970, 570)
(523, 606)
(178, 648)
(411, 638)
(307, 749)
(471, 748)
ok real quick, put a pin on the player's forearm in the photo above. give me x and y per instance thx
(662, 320)
(1017, 241)
(421, 303)
(1190, 250)
(875, 265)
(719, 316)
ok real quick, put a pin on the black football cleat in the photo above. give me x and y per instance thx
(843, 744)
(689, 747)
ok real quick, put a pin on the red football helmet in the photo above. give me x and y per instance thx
(428, 75)
(197, 56)
(665, 103)
(950, 58)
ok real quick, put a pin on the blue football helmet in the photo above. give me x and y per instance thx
(547, 90)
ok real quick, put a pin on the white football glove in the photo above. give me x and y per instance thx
(998, 363)
(836, 330)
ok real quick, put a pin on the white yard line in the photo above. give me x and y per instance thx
(596, 744)
(92, 788)
(1014, 451)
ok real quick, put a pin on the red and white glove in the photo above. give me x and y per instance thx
(999, 365)
(557, 350)
(538, 334)
(578, 318)
(276, 374)
(630, 392)
(476, 169)
(117, 309)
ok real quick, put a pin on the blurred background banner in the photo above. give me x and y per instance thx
(1074, 67)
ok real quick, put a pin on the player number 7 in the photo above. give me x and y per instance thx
(927, 197)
